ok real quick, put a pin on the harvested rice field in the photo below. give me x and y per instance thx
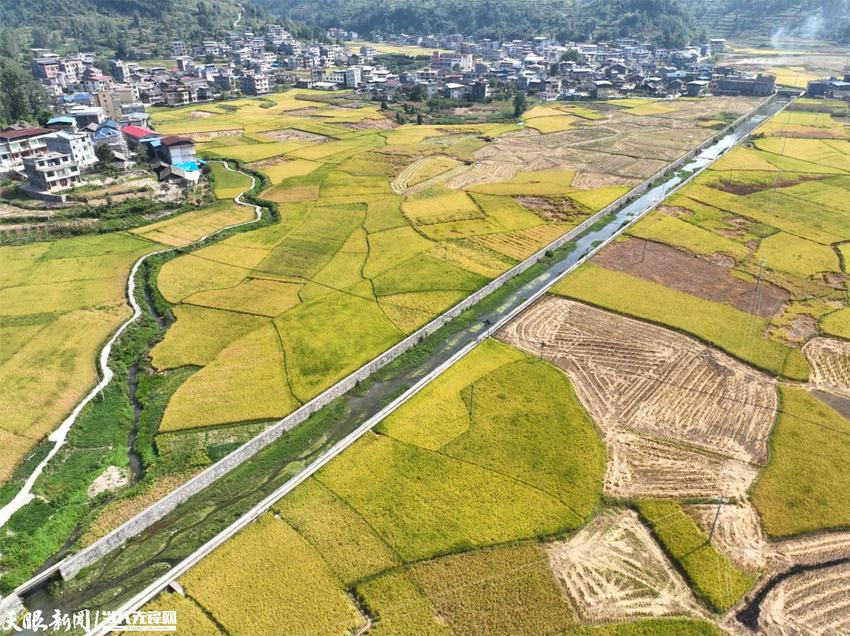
(809, 603)
(612, 569)
(670, 408)
(746, 256)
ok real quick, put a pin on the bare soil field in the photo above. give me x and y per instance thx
(680, 418)
(830, 360)
(814, 602)
(209, 135)
(551, 209)
(676, 269)
(292, 134)
(613, 570)
(370, 124)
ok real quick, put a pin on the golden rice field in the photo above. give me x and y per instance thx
(768, 218)
(295, 588)
(59, 303)
(383, 227)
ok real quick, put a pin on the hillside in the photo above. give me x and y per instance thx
(665, 21)
(773, 20)
(131, 27)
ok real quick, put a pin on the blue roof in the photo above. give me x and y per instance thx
(106, 132)
(190, 166)
(81, 98)
(109, 123)
(64, 119)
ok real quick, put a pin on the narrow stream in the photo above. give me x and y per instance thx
(135, 462)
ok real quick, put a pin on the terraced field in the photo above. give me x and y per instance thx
(383, 228)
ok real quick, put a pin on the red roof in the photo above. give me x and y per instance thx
(23, 133)
(176, 141)
(137, 132)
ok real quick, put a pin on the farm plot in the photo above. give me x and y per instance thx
(612, 570)
(830, 361)
(675, 269)
(809, 603)
(737, 533)
(712, 575)
(805, 486)
(228, 585)
(459, 465)
(662, 400)
(502, 590)
(59, 303)
(191, 226)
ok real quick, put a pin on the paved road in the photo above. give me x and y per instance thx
(363, 411)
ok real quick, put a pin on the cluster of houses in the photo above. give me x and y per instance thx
(108, 106)
(455, 67)
(54, 158)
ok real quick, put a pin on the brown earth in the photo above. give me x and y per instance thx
(741, 188)
(292, 134)
(679, 418)
(673, 268)
(553, 209)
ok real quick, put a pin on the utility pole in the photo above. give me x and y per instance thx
(720, 502)
(542, 347)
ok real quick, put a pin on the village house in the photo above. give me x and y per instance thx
(51, 172)
(77, 145)
(16, 144)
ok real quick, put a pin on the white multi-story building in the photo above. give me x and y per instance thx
(52, 171)
(16, 144)
(77, 145)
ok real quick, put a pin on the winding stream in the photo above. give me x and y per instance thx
(58, 436)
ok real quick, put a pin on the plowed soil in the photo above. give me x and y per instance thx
(678, 270)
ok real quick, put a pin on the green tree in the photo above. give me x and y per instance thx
(520, 104)
(22, 97)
